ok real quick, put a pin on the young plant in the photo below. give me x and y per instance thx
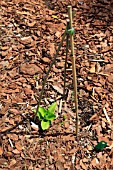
(46, 116)
(100, 146)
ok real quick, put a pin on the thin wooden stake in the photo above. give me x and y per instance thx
(73, 67)
(65, 66)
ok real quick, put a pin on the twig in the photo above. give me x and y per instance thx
(107, 117)
(73, 67)
(60, 106)
(93, 60)
(67, 46)
(11, 143)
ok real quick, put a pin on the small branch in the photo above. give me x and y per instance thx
(65, 66)
(107, 117)
(73, 67)
(91, 60)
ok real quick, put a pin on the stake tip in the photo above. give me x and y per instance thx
(69, 6)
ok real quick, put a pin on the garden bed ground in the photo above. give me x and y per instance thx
(29, 36)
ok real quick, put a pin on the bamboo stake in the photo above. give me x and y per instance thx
(45, 78)
(73, 67)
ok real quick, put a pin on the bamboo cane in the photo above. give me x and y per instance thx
(73, 67)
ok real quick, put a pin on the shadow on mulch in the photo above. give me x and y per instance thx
(98, 11)
(87, 111)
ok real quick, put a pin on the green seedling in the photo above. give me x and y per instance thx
(64, 117)
(35, 77)
(61, 123)
(100, 146)
(46, 116)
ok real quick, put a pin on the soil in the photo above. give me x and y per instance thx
(30, 33)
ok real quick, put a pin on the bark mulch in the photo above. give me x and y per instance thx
(30, 31)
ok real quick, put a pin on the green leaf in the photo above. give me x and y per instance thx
(42, 111)
(45, 124)
(64, 117)
(34, 111)
(50, 116)
(70, 31)
(61, 123)
(40, 116)
(101, 145)
(52, 107)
